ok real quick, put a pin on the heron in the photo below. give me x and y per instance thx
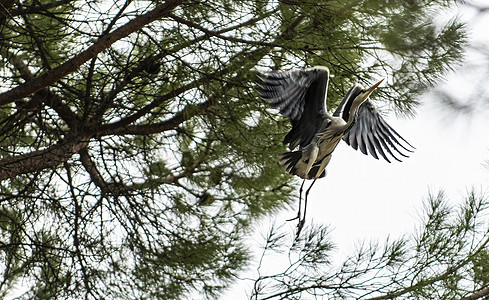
(300, 95)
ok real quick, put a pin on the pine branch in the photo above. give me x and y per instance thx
(110, 188)
(5, 6)
(44, 95)
(432, 280)
(477, 295)
(237, 62)
(50, 157)
(39, 8)
(62, 152)
(74, 63)
(221, 36)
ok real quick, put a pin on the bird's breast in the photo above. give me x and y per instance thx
(329, 138)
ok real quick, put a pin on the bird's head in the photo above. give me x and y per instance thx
(352, 101)
(362, 94)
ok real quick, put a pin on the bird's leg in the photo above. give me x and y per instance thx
(300, 202)
(307, 194)
(303, 220)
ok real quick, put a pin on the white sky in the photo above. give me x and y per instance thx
(362, 198)
(365, 198)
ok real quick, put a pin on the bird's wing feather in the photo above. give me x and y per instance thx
(372, 135)
(300, 96)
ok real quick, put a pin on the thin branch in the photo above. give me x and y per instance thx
(92, 170)
(76, 230)
(5, 6)
(297, 290)
(43, 96)
(112, 188)
(178, 118)
(219, 35)
(88, 88)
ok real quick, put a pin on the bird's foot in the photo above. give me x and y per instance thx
(300, 225)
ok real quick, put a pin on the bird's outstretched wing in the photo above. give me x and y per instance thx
(371, 132)
(300, 96)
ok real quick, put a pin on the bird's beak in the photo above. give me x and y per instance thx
(372, 88)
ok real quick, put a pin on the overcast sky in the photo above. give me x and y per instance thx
(362, 198)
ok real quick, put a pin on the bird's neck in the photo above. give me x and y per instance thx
(352, 116)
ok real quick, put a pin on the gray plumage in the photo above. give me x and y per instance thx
(300, 95)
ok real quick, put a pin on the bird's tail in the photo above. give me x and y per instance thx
(292, 163)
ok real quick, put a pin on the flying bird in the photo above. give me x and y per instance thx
(300, 95)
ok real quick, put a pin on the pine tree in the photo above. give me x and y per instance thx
(447, 258)
(135, 153)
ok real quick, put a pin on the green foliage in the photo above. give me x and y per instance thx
(11, 237)
(480, 268)
(173, 156)
(447, 259)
